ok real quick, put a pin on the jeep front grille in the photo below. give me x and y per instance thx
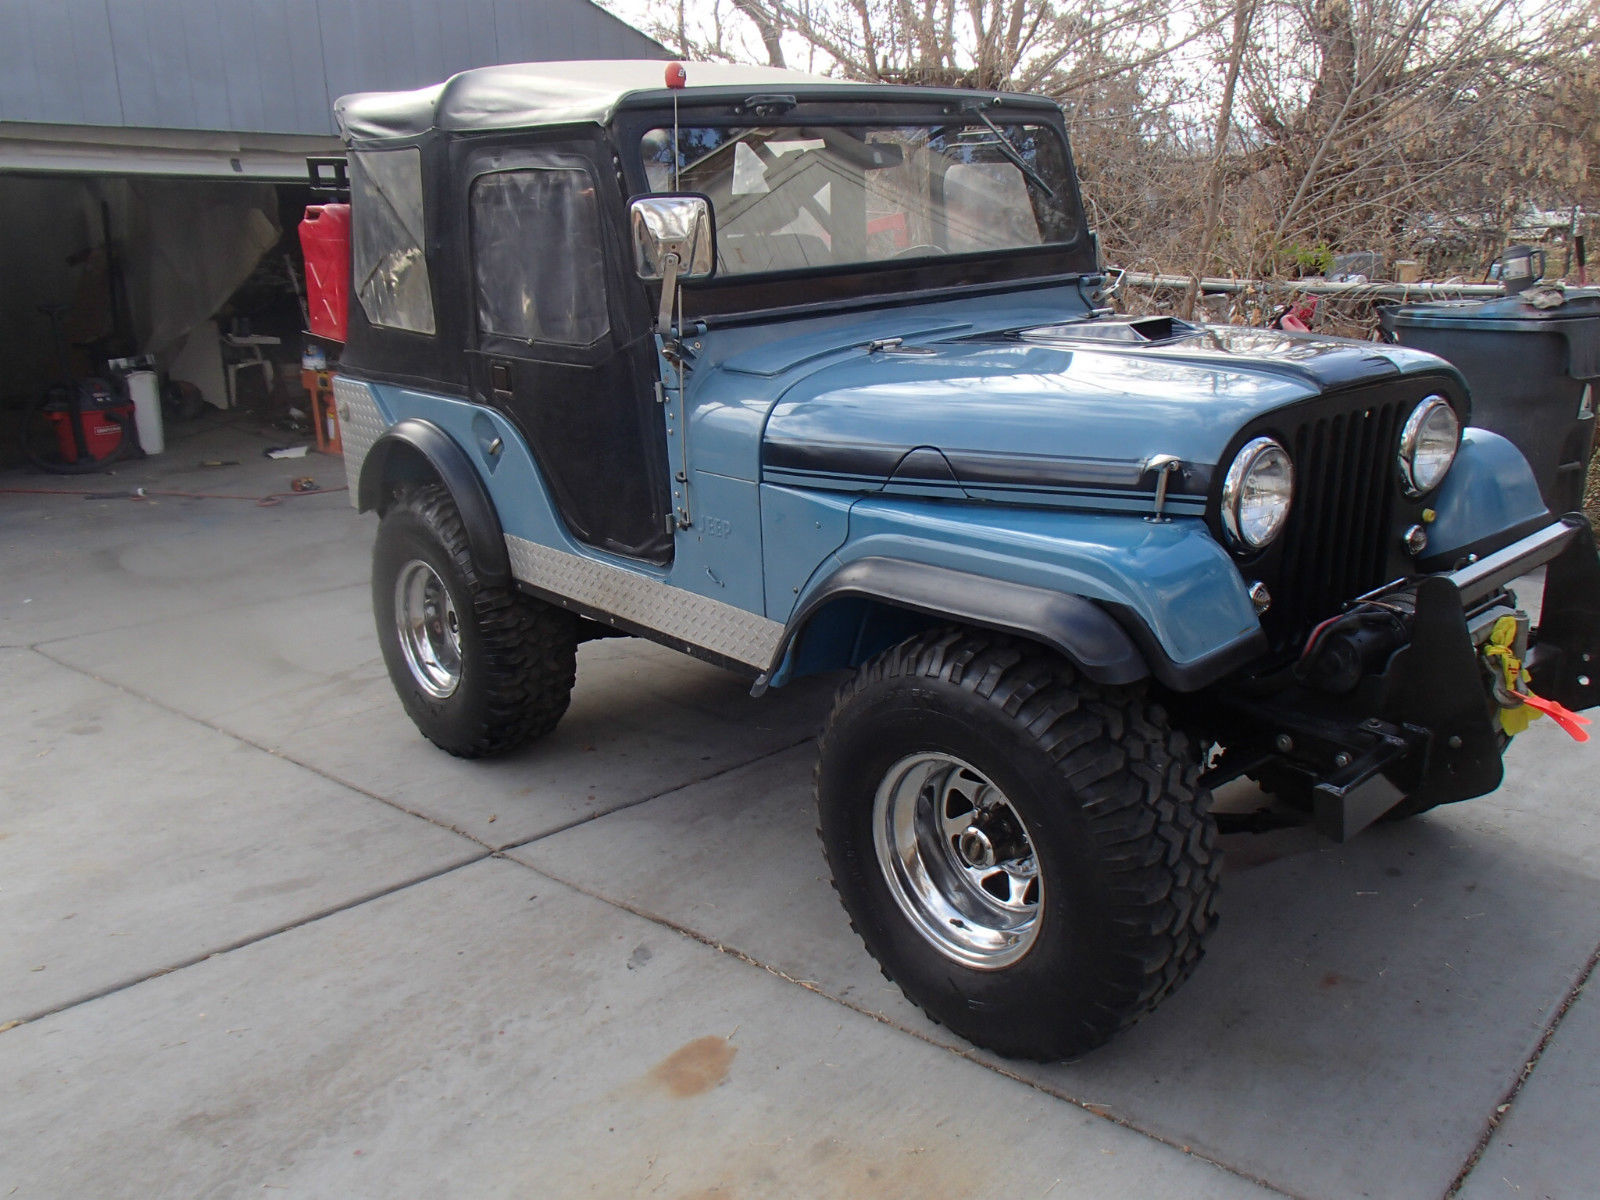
(1337, 542)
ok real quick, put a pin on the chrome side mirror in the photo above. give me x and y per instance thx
(672, 227)
(673, 239)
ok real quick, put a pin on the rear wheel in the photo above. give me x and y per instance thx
(480, 668)
(1029, 856)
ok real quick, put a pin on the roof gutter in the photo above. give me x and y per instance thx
(190, 154)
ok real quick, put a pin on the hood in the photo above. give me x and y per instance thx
(1324, 363)
(1077, 411)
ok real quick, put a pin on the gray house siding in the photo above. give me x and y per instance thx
(269, 66)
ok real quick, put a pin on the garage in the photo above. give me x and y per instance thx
(153, 175)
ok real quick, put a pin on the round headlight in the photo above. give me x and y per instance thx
(1428, 445)
(1256, 492)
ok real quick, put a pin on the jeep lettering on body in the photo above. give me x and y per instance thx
(797, 375)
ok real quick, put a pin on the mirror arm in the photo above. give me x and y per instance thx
(669, 287)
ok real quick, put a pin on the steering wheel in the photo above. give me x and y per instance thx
(919, 248)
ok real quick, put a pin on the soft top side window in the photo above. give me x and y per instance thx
(538, 265)
(387, 256)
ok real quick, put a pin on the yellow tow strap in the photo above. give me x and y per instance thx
(1515, 717)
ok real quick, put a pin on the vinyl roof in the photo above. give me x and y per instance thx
(546, 93)
(563, 93)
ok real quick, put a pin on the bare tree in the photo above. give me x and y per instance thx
(1376, 119)
(1417, 127)
(1243, 13)
(990, 44)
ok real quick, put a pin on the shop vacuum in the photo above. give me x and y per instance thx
(92, 423)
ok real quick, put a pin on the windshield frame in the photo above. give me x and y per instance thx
(864, 282)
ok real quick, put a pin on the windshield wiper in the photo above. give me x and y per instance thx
(1013, 155)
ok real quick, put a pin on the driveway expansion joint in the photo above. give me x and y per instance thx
(589, 818)
(248, 940)
(264, 748)
(1503, 1108)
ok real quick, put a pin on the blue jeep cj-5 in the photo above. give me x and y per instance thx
(796, 375)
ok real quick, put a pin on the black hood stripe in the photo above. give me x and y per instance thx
(979, 468)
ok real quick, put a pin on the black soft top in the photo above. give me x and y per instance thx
(524, 95)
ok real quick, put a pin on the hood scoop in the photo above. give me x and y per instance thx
(1132, 331)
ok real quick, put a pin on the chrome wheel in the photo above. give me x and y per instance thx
(958, 860)
(429, 629)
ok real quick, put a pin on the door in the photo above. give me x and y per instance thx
(561, 346)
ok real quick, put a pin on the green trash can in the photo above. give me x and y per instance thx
(1534, 375)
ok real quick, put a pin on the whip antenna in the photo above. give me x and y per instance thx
(676, 78)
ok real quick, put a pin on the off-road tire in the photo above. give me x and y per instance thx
(518, 654)
(1121, 831)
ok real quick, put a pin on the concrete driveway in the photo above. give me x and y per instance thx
(257, 937)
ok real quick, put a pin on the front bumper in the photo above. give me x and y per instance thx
(1422, 726)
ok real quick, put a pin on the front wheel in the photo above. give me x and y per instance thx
(1029, 856)
(480, 668)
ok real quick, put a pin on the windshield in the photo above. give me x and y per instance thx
(791, 197)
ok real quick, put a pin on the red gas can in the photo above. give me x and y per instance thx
(325, 238)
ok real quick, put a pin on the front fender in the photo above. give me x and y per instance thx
(1079, 629)
(1488, 500)
(1170, 587)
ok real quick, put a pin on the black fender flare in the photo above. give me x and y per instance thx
(455, 470)
(1077, 628)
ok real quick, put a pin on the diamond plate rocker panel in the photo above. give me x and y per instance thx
(698, 620)
(360, 424)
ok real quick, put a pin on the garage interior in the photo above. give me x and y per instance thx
(204, 276)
